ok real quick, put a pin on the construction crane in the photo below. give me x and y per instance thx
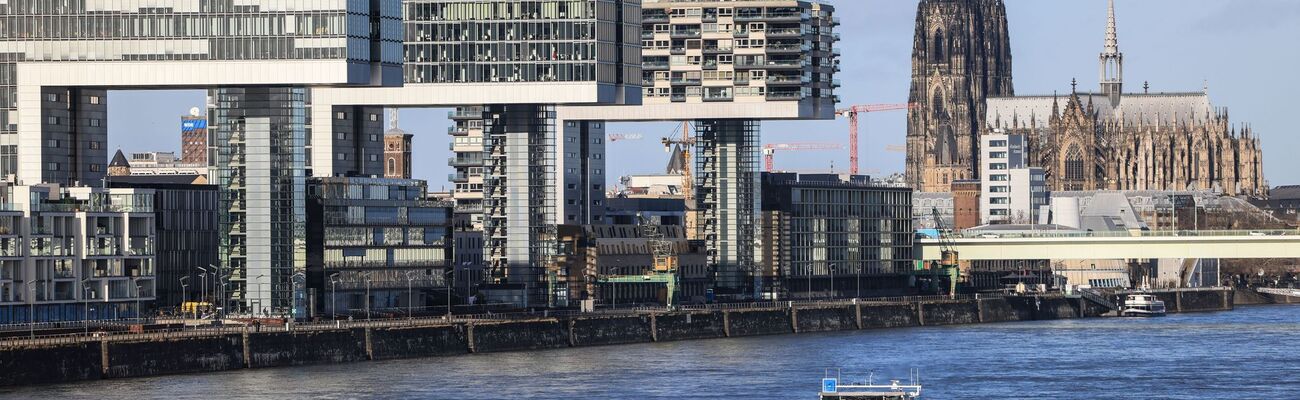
(614, 137)
(688, 181)
(949, 262)
(852, 113)
(769, 150)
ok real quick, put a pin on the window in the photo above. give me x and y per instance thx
(998, 166)
(342, 156)
(1074, 165)
(998, 189)
(373, 157)
(998, 177)
(52, 97)
(94, 99)
(997, 143)
(94, 122)
(998, 154)
(374, 117)
(999, 200)
(392, 166)
(341, 115)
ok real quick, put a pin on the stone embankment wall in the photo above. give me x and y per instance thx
(104, 358)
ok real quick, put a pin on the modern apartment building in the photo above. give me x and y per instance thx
(256, 57)
(727, 65)
(375, 244)
(840, 236)
(1011, 191)
(70, 253)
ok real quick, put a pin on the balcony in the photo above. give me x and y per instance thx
(784, 32)
(465, 162)
(784, 80)
(686, 81)
(784, 96)
(685, 33)
(654, 65)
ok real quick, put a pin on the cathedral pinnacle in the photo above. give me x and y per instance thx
(1112, 37)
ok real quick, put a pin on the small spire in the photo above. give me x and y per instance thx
(1074, 85)
(1146, 87)
(1112, 36)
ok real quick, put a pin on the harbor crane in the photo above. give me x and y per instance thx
(852, 113)
(949, 263)
(769, 150)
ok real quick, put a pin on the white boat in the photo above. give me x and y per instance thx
(1143, 305)
(895, 390)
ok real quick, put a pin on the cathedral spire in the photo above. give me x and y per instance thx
(1112, 60)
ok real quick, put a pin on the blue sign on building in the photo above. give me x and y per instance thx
(830, 385)
(192, 124)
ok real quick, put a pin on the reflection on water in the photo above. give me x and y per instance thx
(1248, 353)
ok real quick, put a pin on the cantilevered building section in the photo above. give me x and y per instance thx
(727, 65)
(255, 56)
(511, 62)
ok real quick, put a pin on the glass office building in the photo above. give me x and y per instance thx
(837, 236)
(378, 244)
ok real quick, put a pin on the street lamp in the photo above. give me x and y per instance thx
(223, 279)
(136, 281)
(31, 308)
(410, 294)
(85, 304)
(334, 281)
(367, 275)
(259, 294)
(203, 290)
(185, 292)
(831, 269)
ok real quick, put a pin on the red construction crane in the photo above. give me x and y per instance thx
(852, 113)
(769, 150)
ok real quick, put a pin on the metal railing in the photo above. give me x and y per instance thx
(423, 321)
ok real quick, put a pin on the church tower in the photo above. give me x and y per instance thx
(961, 55)
(1112, 61)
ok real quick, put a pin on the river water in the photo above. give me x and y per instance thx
(1248, 353)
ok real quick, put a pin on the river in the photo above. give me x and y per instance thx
(1247, 353)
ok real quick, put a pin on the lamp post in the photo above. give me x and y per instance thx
(410, 295)
(334, 281)
(31, 309)
(808, 290)
(223, 278)
(185, 295)
(259, 294)
(447, 284)
(85, 304)
(136, 281)
(367, 278)
(203, 290)
(831, 269)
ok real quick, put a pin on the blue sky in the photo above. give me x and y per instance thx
(1245, 49)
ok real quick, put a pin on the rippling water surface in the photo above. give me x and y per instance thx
(1248, 353)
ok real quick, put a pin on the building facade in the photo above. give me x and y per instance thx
(965, 203)
(185, 224)
(72, 253)
(377, 245)
(1011, 191)
(194, 140)
(1111, 140)
(961, 55)
(844, 237)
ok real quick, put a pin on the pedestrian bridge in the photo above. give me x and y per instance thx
(1048, 245)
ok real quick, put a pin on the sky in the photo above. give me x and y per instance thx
(1243, 50)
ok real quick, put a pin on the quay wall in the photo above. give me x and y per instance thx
(758, 322)
(181, 355)
(188, 352)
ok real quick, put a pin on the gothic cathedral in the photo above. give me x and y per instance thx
(1103, 140)
(961, 55)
